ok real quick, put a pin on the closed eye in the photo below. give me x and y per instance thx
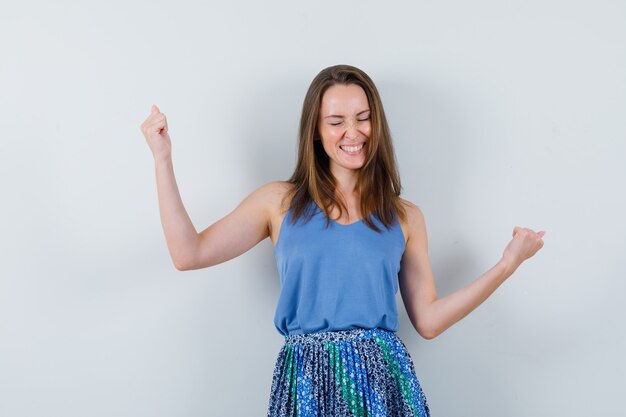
(358, 120)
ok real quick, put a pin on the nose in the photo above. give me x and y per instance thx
(351, 129)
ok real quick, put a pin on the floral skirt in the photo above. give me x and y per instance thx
(357, 372)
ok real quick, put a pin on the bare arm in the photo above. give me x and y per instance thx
(180, 234)
(240, 230)
(227, 238)
(431, 315)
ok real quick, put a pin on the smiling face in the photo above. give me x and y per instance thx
(344, 126)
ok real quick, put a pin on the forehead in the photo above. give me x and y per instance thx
(343, 99)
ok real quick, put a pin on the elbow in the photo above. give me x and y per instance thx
(427, 330)
(189, 264)
(183, 264)
(185, 257)
(179, 266)
(185, 261)
(427, 334)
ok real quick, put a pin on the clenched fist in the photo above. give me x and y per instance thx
(525, 243)
(154, 129)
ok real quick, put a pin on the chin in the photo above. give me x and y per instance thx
(355, 167)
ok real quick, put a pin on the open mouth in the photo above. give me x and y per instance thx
(352, 149)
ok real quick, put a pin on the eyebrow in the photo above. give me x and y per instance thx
(338, 115)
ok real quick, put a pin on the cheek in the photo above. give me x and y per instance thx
(331, 134)
(327, 142)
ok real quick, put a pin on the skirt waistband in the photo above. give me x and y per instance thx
(337, 336)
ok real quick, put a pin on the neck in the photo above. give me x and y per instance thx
(346, 180)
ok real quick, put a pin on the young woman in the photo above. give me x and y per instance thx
(344, 242)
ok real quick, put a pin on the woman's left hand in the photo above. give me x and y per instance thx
(525, 243)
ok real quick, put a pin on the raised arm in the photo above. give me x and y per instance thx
(431, 315)
(237, 232)
(227, 238)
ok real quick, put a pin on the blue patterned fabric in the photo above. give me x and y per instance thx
(346, 373)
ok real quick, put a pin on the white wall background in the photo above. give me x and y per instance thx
(503, 113)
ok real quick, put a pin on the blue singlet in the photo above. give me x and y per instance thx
(337, 278)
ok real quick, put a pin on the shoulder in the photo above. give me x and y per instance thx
(275, 188)
(277, 196)
(414, 225)
(273, 194)
(412, 210)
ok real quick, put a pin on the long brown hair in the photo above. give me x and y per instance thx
(378, 182)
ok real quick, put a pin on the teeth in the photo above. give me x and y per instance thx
(351, 148)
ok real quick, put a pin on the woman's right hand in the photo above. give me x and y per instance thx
(154, 129)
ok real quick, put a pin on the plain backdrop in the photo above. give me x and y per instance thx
(503, 113)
